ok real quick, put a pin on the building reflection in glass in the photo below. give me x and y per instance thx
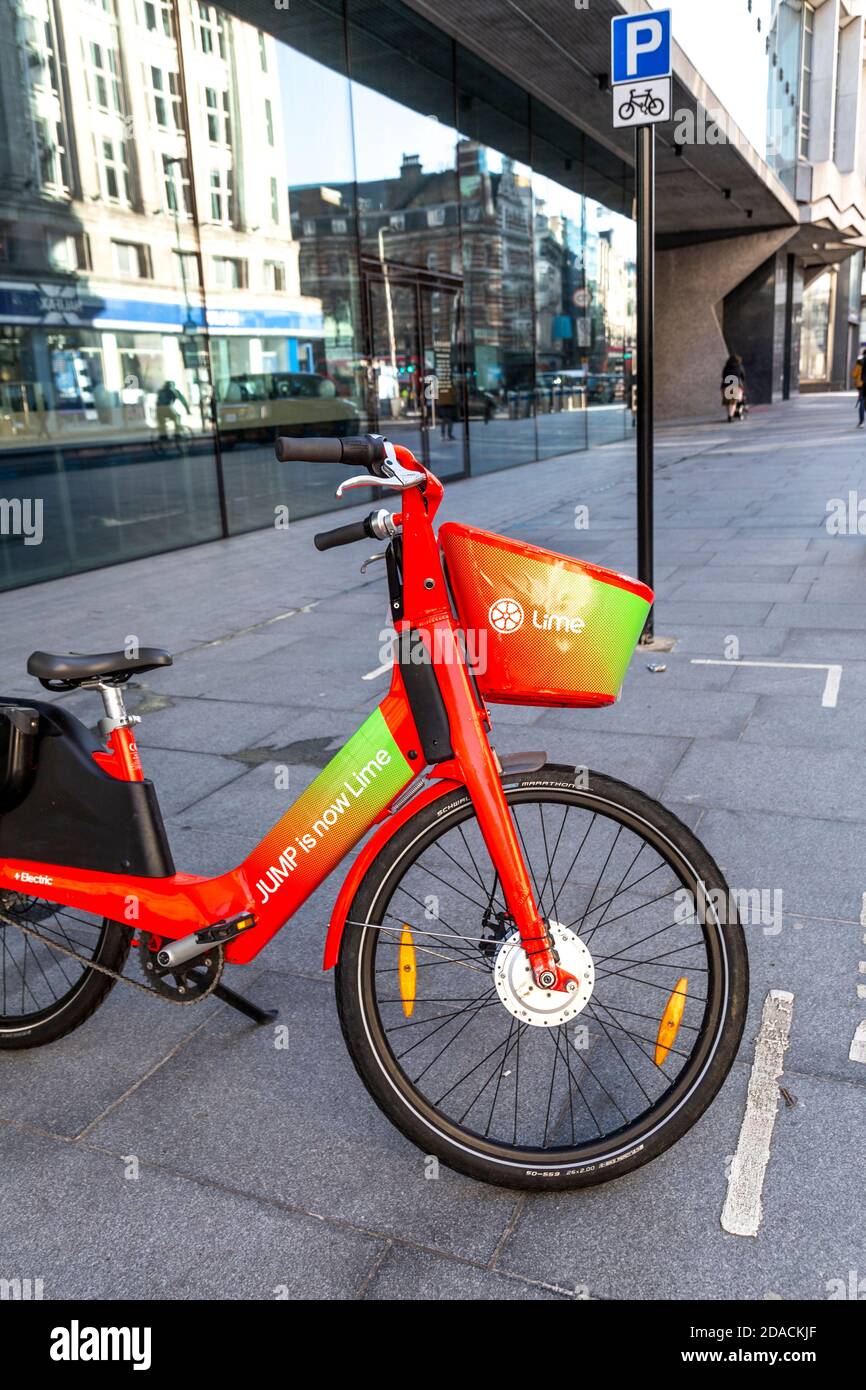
(212, 233)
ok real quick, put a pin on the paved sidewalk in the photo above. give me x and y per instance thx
(263, 1168)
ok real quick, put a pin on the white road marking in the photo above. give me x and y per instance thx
(741, 1214)
(379, 671)
(830, 697)
(857, 1051)
(863, 913)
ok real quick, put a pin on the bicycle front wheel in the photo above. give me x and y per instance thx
(511, 1084)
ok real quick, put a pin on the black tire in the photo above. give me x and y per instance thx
(626, 111)
(44, 994)
(719, 1016)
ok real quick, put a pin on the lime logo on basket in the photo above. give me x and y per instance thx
(505, 615)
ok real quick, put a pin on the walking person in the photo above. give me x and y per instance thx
(734, 387)
(859, 379)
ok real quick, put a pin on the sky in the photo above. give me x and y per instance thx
(721, 39)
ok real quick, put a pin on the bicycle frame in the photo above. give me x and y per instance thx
(358, 788)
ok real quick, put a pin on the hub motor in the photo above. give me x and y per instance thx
(527, 1001)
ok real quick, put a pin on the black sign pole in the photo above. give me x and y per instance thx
(645, 146)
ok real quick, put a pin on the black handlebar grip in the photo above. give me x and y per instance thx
(359, 452)
(343, 535)
(288, 449)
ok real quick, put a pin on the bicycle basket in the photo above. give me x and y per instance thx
(545, 629)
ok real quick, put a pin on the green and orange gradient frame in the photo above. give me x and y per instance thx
(357, 789)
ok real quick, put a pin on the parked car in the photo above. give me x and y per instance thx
(258, 405)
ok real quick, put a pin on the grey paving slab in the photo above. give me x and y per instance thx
(736, 592)
(825, 783)
(296, 1123)
(817, 863)
(815, 644)
(826, 616)
(656, 706)
(184, 778)
(66, 1085)
(790, 721)
(215, 726)
(408, 1274)
(670, 612)
(800, 684)
(713, 639)
(74, 1219)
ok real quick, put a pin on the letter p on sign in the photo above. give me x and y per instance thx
(640, 47)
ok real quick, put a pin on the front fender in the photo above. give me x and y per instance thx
(389, 827)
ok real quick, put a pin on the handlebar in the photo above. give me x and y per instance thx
(379, 526)
(362, 451)
(345, 535)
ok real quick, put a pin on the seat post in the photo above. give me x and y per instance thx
(121, 759)
(116, 716)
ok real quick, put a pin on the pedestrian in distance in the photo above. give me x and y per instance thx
(858, 377)
(734, 387)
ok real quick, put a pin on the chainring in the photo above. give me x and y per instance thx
(182, 984)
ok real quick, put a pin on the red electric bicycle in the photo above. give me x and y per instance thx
(537, 977)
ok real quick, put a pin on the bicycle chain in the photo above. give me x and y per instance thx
(105, 970)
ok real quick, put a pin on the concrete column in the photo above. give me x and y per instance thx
(824, 49)
(849, 82)
(690, 346)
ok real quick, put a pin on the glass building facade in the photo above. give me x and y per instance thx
(223, 223)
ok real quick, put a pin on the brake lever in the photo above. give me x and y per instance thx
(409, 479)
(370, 559)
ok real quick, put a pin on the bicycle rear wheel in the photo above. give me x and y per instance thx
(475, 1064)
(45, 994)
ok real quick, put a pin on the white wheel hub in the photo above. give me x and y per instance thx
(527, 1001)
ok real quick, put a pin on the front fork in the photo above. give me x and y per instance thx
(480, 772)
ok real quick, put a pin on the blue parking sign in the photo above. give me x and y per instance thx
(640, 46)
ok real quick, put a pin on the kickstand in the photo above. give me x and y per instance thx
(245, 1006)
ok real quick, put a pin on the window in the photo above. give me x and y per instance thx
(269, 121)
(62, 251)
(51, 154)
(209, 29)
(130, 260)
(229, 273)
(436, 217)
(339, 225)
(220, 196)
(275, 276)
(275, 202)
(113, 171)
(263, 51)
(165, 94)
(397, 222)
(105, 79)
(186, 268)
(175, 175)
(806, 80)
(219, 129)
(157, 17)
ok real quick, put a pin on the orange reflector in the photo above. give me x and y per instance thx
(671, 1019)
(407, 971)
